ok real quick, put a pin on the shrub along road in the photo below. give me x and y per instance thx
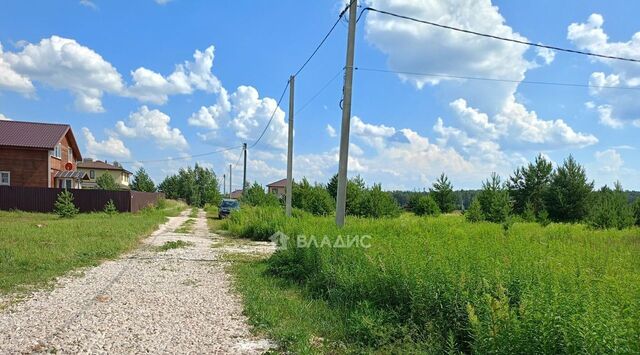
(171, 295)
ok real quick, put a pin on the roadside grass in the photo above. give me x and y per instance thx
(215, 224)
(173, 244)
(186, 227)
(194, 212)
(280, 311)
(444, 285)
(36, 247)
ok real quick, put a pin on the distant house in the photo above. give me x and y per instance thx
(96, 168)
(236, 194)
(278, 188)
(34, 154)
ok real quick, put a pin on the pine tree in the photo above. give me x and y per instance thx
(107, 182)
(636, 211)
(332, 186)
(530, 185)
(110, 208)
(442, 192)
(64, 206)
(494, 200)
(142, 182)
(568, 192)
(474, 212)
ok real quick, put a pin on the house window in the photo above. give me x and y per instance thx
(70, 155)
(92, 174)
(5, 178)
(57, 151)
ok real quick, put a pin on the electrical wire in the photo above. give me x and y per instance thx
(324, 39)
(186, 157)
(498, 79)
(324, 87)
(272, 115)
(502, 38)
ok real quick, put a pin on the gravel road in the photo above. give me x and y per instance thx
(148, 301)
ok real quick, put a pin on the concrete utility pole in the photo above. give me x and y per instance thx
(341, 200)
(224, 184)
(230, 184)
(244, 174)
(289, 186)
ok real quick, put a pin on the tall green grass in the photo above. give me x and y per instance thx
(36, 247)
(447, 285)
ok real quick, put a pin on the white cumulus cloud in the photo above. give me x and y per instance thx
(149, 86)
(331, 131)
(154, 125)
(616, 107)
(242, 116)
(110, 147)
(63, 63)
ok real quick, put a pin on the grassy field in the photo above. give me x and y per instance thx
(444, 285)
(37, 247)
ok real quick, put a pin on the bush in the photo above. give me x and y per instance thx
(64, 206)
(610, 209)
(256, 223)
(543, 218)
(636, 211)
(375, 203)
(426, 206)
(313, 199)
(528, 214)
(255, 196)
(110, 207)
(474, 213)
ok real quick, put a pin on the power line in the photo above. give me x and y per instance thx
(498, 79)
(324, 39)
(272, 115)
(239, 157)
(186, 157)
(324, 87)
(502, 38)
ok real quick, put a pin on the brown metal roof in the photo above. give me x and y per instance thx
(279, 183)
(35, 135)
(100, 165)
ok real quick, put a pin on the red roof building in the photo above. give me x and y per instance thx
(38, 155)
(278, 188)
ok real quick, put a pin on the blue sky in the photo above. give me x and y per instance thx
(144, 80)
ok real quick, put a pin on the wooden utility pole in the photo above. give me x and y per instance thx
(224, 184)
(244, 173)
(289, 186)
(341, 200)
(230, 184)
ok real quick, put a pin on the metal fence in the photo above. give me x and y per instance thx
(42, 199)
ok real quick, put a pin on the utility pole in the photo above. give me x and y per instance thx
(289, 186)
(244, 174)
(230, 184)
(341, 200)
(224, 184)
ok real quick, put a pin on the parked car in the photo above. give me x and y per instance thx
(227, 206)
